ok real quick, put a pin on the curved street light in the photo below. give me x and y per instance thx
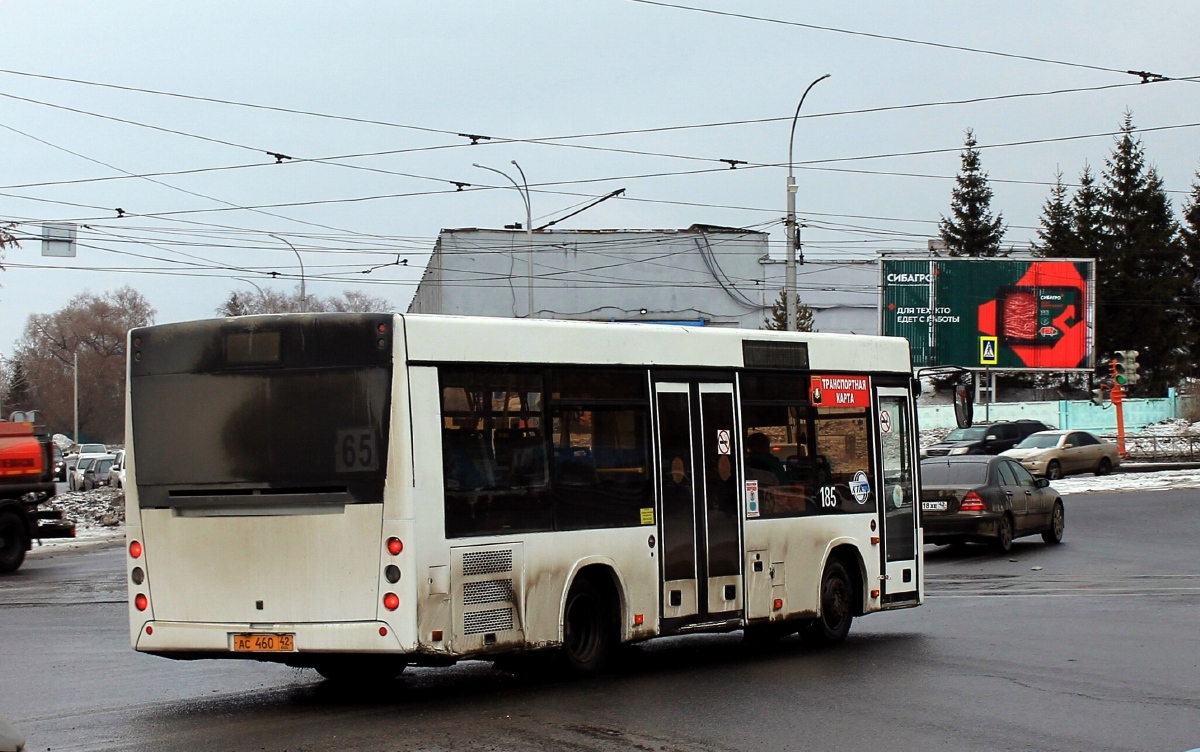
(303, 296)
(528, 222)
(793, 233)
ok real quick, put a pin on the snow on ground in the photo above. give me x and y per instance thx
(1157, 481)
(98, 515)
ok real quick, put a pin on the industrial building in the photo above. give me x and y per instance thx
(703, 275)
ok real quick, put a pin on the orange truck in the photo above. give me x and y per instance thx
(26, 484)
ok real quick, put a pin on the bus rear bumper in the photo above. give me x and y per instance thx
(190, 640)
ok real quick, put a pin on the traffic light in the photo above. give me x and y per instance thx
(1125, 367)
(1098, 395)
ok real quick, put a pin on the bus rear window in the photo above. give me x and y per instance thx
(310, 430)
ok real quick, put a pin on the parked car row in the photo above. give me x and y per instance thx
(93, 466)
(1041, 450)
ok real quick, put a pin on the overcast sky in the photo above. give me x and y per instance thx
(423, 72)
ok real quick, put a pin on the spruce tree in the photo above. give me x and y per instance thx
(1056, 236)
(777, 320)
(1189, 238)
(1086, 215)
(1143, 277)
(972, 230)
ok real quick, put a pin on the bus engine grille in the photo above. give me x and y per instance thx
(486, 562)
(492, 620)
(487, 591)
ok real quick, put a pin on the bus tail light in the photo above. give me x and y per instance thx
(135, 550)
(391, 601)
(395, 546)
(141, 602)
(778, 604)
(972, 502)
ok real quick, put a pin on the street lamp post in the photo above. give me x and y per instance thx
(793, 233)
(528, 223)
(303, 296)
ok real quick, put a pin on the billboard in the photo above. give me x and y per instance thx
(989, 313)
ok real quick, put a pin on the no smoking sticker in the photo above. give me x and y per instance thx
(885, 421)
(722, 441)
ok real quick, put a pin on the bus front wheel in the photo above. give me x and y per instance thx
(588, 633)
(837, 608)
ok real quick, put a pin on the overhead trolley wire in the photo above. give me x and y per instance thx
(905, 40)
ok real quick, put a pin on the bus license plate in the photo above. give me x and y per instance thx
(933, 506)
(264, 643)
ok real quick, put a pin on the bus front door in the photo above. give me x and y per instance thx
(698, 447)
(898, 501)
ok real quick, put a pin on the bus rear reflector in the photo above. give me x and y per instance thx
(395, 546)
(135, 550)
(391, 601)
(383, 631)
(972, 502)
(141, 602)
(778, 604)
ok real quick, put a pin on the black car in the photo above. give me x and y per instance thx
(60, 466)
(990, 438)
(987, 499)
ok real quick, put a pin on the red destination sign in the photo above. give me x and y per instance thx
(840, 391)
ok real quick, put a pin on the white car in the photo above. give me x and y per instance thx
(116, 475)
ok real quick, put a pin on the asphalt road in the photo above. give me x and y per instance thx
(1091, 645)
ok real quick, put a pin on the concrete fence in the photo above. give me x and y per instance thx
(1081, 414)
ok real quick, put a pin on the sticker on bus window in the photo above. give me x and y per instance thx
(723, 444)
(860, 488)
(355, 451)
(752, 498)
(648, 515)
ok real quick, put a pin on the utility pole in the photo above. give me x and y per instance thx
(76, 397)
(528, 224)
(793, 232)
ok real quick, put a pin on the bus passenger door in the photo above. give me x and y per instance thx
(698, 486)
(677, 490)
(721, 447)
(897, 502)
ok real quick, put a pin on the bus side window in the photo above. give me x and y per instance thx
(778, 443)
(495, 467)
(600, 427)
(844, 448)
(601, 467)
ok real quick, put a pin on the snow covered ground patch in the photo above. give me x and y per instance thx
(1162, 480)
(98, 515)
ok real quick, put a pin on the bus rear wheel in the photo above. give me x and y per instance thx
(360, 669)
(14, 542)
(588, 633)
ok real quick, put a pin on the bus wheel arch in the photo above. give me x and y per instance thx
(852, 559)
(591, 617)
(838, 598)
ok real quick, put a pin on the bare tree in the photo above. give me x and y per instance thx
(94, 328)
(241, 303)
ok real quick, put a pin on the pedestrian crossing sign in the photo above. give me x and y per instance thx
(989, 351)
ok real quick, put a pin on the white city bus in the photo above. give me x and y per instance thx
(360, 492)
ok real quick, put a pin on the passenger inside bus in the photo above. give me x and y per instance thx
(771, 471)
